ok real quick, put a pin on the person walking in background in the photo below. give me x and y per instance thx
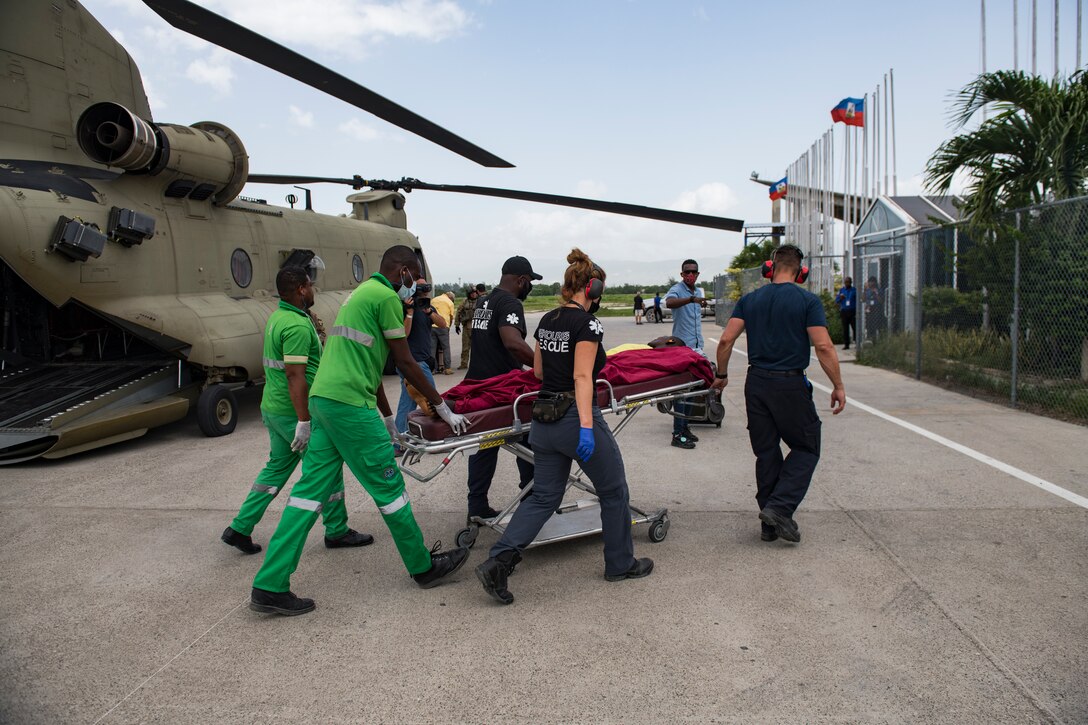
(440, 336)
(657, 307)
(686, 300)
(640, 307)
(420, 317)
(781, 320)
(874, 309)
(464, 324)
(848, 308)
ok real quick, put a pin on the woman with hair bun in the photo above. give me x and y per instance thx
(567, 424)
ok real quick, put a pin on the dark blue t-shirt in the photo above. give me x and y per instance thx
(419, 338)
(776, 318)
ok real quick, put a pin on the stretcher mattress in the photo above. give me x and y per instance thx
(497, 418)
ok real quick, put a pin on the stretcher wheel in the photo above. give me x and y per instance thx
(659, 530)
(467, 537)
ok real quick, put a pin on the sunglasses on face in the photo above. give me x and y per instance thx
(690, 272)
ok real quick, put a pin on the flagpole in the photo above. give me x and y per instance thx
(884, 118)
(1034, 35)
(876, 142)
(1056, 15)
(1016, 35)
(865, 150)
(895, 174)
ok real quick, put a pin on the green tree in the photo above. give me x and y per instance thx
(754, 255)
(1033, 148)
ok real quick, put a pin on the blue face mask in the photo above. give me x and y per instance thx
(405, 291)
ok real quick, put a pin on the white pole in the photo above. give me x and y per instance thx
(876, 142)
(895, 175)
(884, 117)
(1055, 38)
(1016, 36)
(865, 150)
(1034, 36)
(1079, 3)
(984, 35)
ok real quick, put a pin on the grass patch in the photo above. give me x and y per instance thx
(978, 362)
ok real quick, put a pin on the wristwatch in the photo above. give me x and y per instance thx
(722, 376)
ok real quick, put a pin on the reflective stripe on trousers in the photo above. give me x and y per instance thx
(395, 505)
(265, 488)
(306, 504)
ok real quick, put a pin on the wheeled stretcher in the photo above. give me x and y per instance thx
(507, 427)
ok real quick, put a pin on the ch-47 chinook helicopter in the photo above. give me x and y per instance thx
(134, 282)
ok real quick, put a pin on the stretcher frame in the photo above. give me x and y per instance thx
(576, 518)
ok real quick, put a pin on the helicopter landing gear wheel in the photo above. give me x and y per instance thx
(467, 537)
(216, 411)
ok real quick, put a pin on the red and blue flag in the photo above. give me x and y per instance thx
(778, 189)
(850, 111)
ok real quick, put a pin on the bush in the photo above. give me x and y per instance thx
(831, 311)
(948, 307)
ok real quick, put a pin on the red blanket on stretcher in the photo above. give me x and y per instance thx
(623, 368)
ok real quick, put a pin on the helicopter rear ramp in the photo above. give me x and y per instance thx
(57, 409)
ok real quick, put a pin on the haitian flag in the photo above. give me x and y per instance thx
(850, 111)
(778, 189)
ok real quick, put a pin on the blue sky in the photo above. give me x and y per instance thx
(663, 104)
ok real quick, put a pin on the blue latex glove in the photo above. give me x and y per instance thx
(586, 443)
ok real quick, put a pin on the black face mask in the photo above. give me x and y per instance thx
(523, 294)
(594, 306)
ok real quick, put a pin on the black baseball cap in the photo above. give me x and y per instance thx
(520, 265)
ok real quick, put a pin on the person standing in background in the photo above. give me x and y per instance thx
(440, 336)
(464, 324)
(848, 309)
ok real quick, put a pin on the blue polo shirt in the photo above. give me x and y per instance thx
(847, 299)
(776, 320)
(687, 321)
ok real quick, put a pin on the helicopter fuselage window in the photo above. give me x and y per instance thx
(357, 267)
(241, 268)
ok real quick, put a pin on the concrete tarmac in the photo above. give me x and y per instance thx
(929, 586)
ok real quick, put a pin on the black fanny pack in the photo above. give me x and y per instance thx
(550, 407)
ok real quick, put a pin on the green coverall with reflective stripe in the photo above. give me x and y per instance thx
(347, 428)
(290, 338)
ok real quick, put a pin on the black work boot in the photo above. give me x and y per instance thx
(493, 573)
(351, 538)
(241, 542)
(767, 532)
(285, 603)
(441, 565)
(783, 525)
(641, 568)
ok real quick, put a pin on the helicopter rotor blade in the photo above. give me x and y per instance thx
(216, 29)
(612, 207)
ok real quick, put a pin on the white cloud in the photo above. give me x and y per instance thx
(342, 25)
(358, 130)
(214, 71)
(305, 119)
(712, 198)
(591, 189)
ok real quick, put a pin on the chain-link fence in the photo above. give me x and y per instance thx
(1002, 314)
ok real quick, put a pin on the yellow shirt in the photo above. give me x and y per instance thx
(444, 306)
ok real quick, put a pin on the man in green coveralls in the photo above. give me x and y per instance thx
(345, 400)
(292, 352)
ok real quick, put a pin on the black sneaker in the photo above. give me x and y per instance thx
(351, 538)
(768, 534)
(783, 525)
(641, 568)
(285, 603)
(493, 573)
(691, 436)
(441, 564)
(241, 542)
(682, 441)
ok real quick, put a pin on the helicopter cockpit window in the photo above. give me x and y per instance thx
(241, 268)
(357, 267)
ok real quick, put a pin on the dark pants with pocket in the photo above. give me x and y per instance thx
(780, 409)
(554, 446)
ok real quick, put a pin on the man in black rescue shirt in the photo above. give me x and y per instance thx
(781, 319)
(498, 346)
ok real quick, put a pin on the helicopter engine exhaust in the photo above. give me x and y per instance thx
(205, 160)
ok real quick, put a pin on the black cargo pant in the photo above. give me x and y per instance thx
(554, 446)
(781, 409)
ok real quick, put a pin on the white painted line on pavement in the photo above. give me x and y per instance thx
(959, 448)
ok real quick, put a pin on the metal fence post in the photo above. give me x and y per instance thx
(918, 306)
(1015, 322)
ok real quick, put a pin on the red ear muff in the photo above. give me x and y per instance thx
(802, 275)
(768, 269)
(594, 289)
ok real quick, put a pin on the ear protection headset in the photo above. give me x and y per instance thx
(595, 286)
(769, 265)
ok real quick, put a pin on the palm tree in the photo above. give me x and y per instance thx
(1034, 147)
